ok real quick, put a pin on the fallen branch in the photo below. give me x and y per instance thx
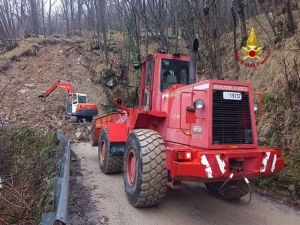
(9, 202)
(286, 76)
(3, 221)
(273, 44)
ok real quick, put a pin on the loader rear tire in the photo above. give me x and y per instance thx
(232, 190)
(144, 171)
(109, 164)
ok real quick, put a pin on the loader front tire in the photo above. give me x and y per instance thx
(109, 164)
(144, 171)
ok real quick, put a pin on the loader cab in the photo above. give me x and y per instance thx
(161, 71)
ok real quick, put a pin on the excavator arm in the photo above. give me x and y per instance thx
(58, 83)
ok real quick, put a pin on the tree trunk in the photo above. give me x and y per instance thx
(146, 28)
(240, 5)
(234, 27)
(49, 18)
(104, 30)
(65, 4)
(43, 17)
(290, 22)
(72, 15)
(34, 17)
(79, 3)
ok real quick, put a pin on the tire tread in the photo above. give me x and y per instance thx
(154, 175)
(113, 163)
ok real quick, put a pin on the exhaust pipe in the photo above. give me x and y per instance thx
(193, 62)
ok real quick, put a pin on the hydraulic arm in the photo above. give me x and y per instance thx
(61, 84)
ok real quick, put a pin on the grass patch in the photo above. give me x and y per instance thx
(279, 127)
(28, 167)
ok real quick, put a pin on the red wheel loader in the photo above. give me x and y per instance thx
(76, 103)
(183, 130)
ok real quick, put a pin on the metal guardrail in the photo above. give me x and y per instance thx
(61, 188)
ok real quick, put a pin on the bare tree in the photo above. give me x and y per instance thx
(7, 28)
(290, 22)
(34, 16)
(240, 9)
(66, 5)
(43, 17)
(49, 17)
(104, 29)
(79, 5)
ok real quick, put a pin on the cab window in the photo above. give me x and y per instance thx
(81, 99)
(173, 72)
(148, 84)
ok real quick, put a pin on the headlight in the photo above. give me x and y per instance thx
(199, 104)
(255, 107)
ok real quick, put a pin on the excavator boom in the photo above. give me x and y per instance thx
(61, 84)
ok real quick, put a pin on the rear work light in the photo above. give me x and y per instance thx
(184, 156)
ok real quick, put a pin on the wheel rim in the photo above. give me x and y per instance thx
(102, 151)
(131, 167)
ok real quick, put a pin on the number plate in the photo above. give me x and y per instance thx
(232, 95)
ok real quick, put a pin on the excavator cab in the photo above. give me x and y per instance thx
(73, 100)
(75, 103)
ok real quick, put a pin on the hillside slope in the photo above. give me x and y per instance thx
(278, 80)
(29, 74)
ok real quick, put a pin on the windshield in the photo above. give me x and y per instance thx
(81, 99)
(173, 72)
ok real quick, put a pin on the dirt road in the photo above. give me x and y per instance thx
(190, 205)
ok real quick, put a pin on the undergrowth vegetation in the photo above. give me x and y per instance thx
(278, 80)
(279, 127)
(28, 167)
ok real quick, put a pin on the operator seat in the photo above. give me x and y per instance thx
(169, 80)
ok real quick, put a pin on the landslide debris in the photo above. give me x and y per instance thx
(30, 69)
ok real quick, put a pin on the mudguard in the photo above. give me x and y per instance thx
(117, 132)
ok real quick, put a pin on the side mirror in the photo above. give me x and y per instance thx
(119, 101)
(136, 66)
(195, 45)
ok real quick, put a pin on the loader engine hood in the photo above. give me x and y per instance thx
(211, 114)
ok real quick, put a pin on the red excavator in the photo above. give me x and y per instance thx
(76, 103)
(184, 130)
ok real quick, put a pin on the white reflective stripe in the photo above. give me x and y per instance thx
(1, 186)
(231, 175)
(246, 180)
(221, 164)
(265, 162)
(205, 163)
(201, 86)
(274, 163)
